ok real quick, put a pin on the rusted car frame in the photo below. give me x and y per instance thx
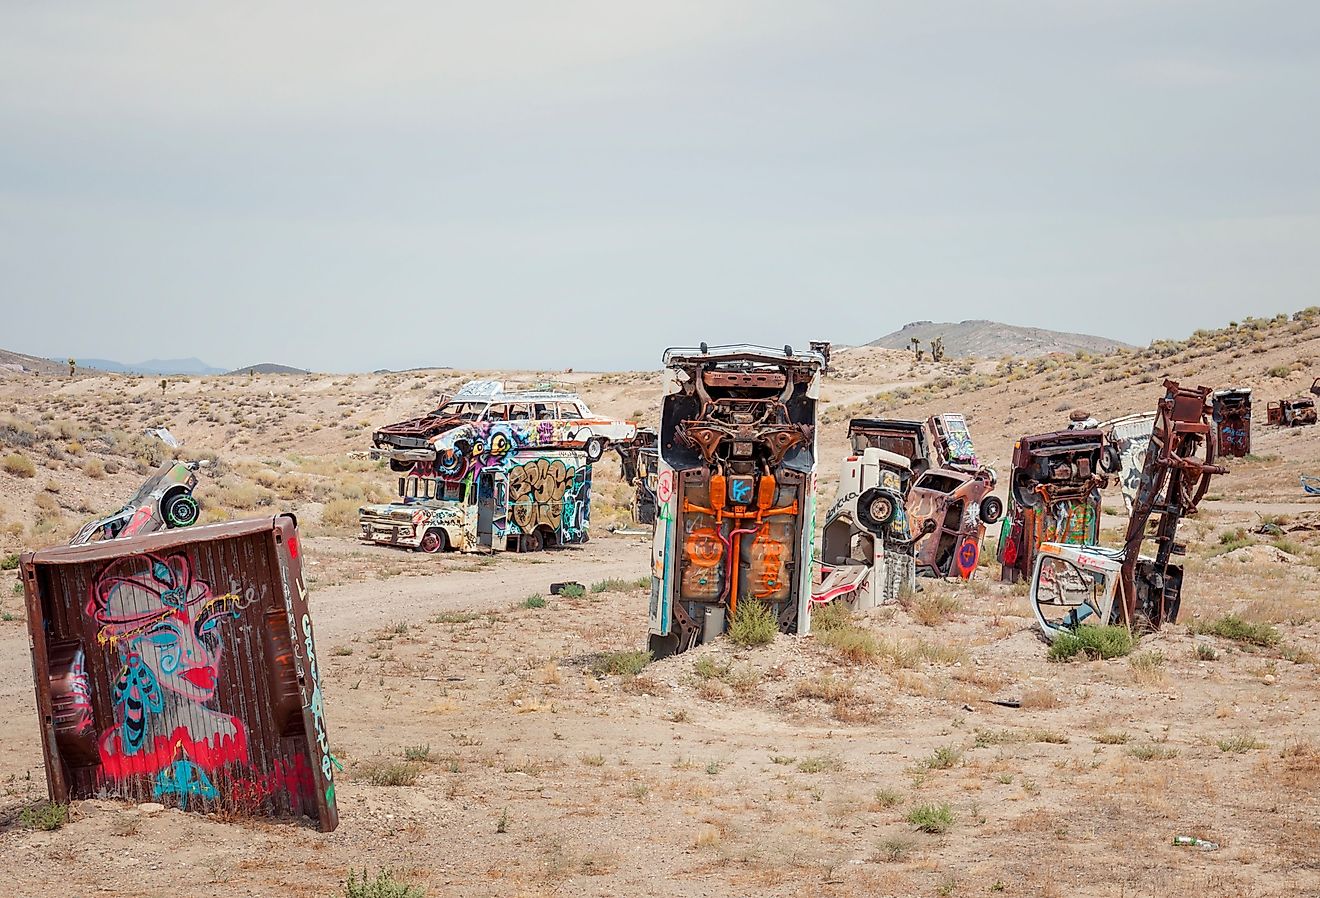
(736, 491)
(180, 668)
(639, 467)
(950, 504)
(1299, 412)
(1054, 494)
(901, 437)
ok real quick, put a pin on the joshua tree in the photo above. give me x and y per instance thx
(163, 384)
(73, 366)
(917, 351)
(937, 349)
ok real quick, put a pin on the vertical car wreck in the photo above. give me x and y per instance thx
(950, 504)
(180, 668)
(866, 545)
(735, 492)
(1054, 494)
(1231, 410)
(1072, 585)
(639, 467)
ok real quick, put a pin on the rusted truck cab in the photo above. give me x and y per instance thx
(1298, 412)
(736, 491)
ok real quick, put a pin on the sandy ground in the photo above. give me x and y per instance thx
(782, 770)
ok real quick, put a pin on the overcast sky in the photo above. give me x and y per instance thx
(352, 186)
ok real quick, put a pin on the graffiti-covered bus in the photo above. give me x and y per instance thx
(736, 491)
(521, 501)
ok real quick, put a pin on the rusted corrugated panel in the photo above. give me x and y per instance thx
(180, 668)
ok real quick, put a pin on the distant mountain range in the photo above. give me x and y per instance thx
(152, 366)
(992, 339)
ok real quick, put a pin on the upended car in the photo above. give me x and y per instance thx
(950, 504)
(164, 502)
(483, 423)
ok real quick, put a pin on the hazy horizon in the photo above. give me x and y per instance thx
(344, 188)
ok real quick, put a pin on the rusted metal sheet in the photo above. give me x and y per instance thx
(1054, 494)
(639, 466)
(735, 492)
(180, 667)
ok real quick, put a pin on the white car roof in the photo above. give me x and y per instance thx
(493, 391)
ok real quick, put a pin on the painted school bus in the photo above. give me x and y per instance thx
(523, 501)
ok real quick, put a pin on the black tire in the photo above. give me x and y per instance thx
(595, 448)
(180, 510)
(434, 541)
(531, 542)
(992, 509)
(876, 508)
(1111, 460)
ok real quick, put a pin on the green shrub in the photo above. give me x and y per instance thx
(613, 584)
(945, 756)
(534, 601)
(383, 886)
(931, 818)
(1230, 626)
(19, 465)
(9, 562)
(390, 773)
(1091, 643)
(753, 624)
(572, 591)
(622, 663)
(49, 816)
(833, 616)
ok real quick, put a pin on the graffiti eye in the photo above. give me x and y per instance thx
(164, 638)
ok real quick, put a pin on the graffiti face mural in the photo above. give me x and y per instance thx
(165, 626)
(158, 686)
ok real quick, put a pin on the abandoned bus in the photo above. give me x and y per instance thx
(529, 501)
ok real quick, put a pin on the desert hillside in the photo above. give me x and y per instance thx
(496, 740)
(992, 339)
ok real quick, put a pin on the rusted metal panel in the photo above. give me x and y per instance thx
(1231, 410)
(180, 667)
(736, 491)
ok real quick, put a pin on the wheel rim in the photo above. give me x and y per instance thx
(881, 510)
(182, 511)
(431, 542)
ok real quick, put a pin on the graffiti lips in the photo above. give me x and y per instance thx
(201, 677)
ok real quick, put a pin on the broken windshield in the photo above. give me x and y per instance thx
(468, 411)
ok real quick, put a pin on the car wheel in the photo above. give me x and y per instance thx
(180, 510)
(1111, 460)
(992, 509)
(532, 542)
(876, 508)
(595, 448)
(433, 541)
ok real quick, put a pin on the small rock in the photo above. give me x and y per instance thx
(151, 807)
(1268, 679)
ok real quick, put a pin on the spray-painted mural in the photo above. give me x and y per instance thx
(164, 624)
(162, 687)
(541, 493)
